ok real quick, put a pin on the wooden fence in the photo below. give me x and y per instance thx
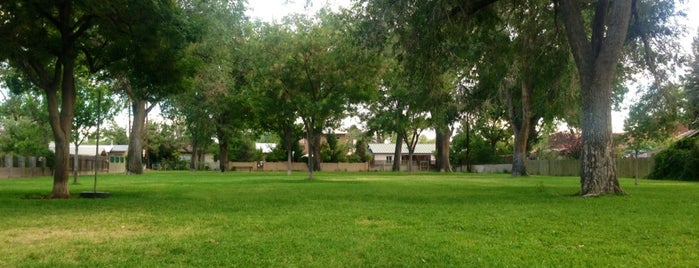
(30, 166)
(296, 166)
(625, 167)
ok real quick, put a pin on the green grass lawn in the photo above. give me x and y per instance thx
(247, 219)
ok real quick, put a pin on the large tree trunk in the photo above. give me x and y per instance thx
(443, 143)
(598, 167)
(193, 161)
(61, 122)
(596, 60)
(397, 154)
(223, 165)
(316, 152)
(134, 164)
(521, 128)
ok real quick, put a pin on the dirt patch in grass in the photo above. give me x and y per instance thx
(376, 223)
(35, 236)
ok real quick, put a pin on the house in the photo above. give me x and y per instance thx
(116, 154)
(341, 139)
(383, 154)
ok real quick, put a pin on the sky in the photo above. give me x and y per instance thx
(274, 10)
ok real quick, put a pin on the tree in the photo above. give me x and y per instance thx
(691, 86)
(47, 41)
(322, 71)
(332, 150)
(273, 105)
(114, 134)
(217, 103)
(163, 145)
(93, 102)
(157, 67)
(596, 57)
(23, 119)
(538, 81)
(596, 45)
(400, 109)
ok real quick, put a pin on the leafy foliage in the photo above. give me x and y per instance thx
(678, 162)
(316, 72)
(332, 150)
(114, 134)
(279, 154)
(691, 86)
(24, 128)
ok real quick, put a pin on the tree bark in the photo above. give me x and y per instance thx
(61, 122)
(521, 128)
(443, 143)
(468, 143)
(316, 152)
(596, 60)
(223, 165)
(193, 161)
(398, 153)
(288, 160)
(135, 151)
(289, 144)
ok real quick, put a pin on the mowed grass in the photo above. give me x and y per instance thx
(206, 219)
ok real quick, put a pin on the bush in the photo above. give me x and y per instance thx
(678, 162)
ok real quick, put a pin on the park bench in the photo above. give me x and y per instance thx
(240, 167)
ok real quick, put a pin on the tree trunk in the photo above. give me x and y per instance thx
(61, 122)
(75, 165)
(195, 154)
(309, 149)
(288, 159)
(289, 144)
(397, 154)
(223, 165)
(60, 117)
(135, 153)
(61, 126)
(598, 167)
(468, 144)
(521, 128)
(443, 143)
(596, 60)
(61, 167)
(316, 152)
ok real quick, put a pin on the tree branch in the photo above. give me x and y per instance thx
(599, 25)
(617, 29)
(575, 30)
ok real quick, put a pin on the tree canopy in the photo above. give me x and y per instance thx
(405, 66)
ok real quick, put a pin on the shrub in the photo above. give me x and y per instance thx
(679, 161)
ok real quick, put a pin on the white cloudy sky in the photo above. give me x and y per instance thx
(274, 10)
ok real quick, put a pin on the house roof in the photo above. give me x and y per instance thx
(389, 148)
(119, 148)
(89, 149)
